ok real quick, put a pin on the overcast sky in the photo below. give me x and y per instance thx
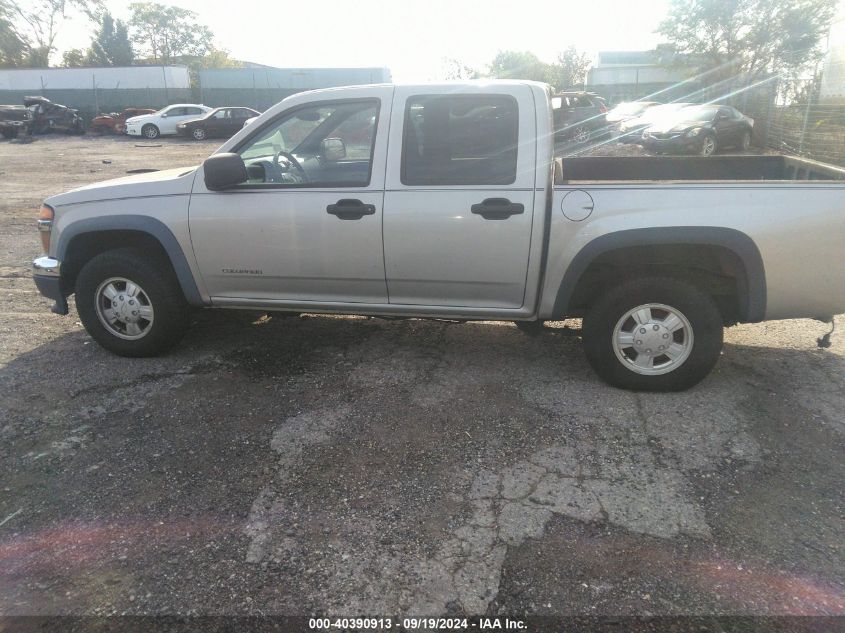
(410, 38)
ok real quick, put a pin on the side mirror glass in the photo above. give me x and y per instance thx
(333, 149)
(223, 171)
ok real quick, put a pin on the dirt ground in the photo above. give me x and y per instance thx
(315, 464)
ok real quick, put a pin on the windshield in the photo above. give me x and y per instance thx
(698, 113)
(631, 108)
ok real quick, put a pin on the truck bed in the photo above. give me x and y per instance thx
(686, 168)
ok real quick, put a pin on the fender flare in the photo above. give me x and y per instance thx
(143, 224)
(753, 308)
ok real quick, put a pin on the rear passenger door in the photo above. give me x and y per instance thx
(459, 196)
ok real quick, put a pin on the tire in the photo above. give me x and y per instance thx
(580, 134)
(150, 131)
(158, 292)
(198, 134)
(708, 145)
(745, 141)
(700, 337)
(532, 328)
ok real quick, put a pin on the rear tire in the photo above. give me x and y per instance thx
(614, 341)
(155, 291)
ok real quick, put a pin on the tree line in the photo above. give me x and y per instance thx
(154, 34)
(717, 40)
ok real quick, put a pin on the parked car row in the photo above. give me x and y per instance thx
(40, 115)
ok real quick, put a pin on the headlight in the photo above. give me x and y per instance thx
(45, 226)
(694, 132)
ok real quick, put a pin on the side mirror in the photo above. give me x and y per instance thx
(223, 171)
(165, 115)
(333, 149)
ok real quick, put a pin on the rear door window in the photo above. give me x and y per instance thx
(460, 140)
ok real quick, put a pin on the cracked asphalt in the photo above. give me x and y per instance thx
(347, 465)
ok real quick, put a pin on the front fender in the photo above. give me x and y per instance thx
(144, 224)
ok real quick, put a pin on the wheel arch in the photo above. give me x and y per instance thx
(83, 239)
(731, 248)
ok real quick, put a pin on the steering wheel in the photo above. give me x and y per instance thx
(292, 160)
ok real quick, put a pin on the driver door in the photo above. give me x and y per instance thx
(306, 226)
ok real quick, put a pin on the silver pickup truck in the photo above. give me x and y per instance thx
(446, 201)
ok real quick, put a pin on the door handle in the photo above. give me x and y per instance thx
(350, 209)
(497, 208)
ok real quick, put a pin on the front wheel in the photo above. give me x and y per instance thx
(150, 131)
(653, 334)
(581, 134)
(708, 145)
(131, 304)
(745, 141)
(198, 134)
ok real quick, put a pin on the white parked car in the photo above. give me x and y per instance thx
(165, 120)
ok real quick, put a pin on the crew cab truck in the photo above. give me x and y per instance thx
(446, 201)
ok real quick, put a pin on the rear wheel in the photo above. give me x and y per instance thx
(653, 334)
(150, 131)
(130, 304)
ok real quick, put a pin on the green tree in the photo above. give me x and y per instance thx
(13, 46)
(518, 65)
(570, 69)
(163, 32)
(567, 71)
(454, 69)
(111, 45)
(42, 20)
(726, 38)
(74, 58)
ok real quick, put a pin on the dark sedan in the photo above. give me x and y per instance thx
(219, 122)
(701, 129)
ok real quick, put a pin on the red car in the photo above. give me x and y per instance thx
(115, 122)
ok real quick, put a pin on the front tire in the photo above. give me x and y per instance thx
(708, 145)
(653, 334)
(130, 304)
(150, 131)
(531, 328)
(745, 141)
(198, 134)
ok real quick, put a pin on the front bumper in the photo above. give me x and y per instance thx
(132, 129)
(46, 273)
(680, 144)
